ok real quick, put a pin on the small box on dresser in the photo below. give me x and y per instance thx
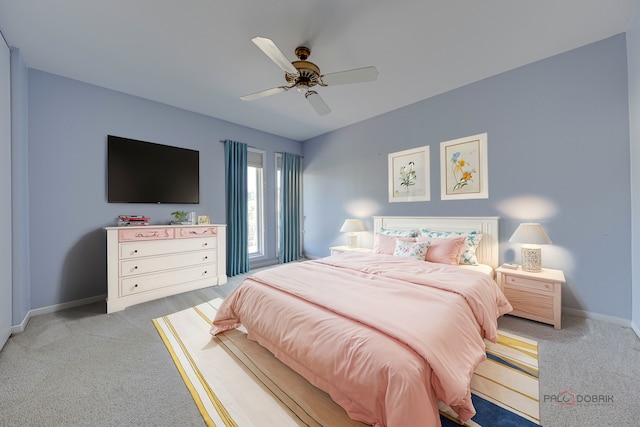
(150, 262)
(534, 296)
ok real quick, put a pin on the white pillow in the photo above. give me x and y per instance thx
(416, 250)
(472, 240)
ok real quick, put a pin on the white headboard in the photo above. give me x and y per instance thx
(488, 252)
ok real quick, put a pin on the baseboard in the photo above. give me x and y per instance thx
(253, 266)
(595, 316)
(635, 329)
(52, 309)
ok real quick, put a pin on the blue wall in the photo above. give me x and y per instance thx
(68, 124)
(558, 142)
(21, 289)
(559, 147)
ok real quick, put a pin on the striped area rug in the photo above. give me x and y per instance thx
(504, 388)
(236, 382)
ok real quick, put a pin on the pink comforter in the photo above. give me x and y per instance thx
(386, 337)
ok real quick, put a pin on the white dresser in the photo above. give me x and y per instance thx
(149, 262)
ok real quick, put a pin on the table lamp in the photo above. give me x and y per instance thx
(530, 234)
(352, 226)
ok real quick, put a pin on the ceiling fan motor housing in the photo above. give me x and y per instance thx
(308, 72)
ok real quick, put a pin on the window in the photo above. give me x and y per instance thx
(278, 204)
(255, 201)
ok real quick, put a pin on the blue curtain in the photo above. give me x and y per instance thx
(290, 210)
(235, 154)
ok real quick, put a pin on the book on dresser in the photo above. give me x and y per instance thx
(154, 261)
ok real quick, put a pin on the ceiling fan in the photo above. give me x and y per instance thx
(303, 75)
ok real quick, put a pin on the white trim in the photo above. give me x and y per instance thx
(635, 329)
(596, 316)
(16, 329)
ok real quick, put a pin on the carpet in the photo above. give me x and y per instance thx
(236, 382)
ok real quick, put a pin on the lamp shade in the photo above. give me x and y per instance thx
(352, 226)
(530, 233)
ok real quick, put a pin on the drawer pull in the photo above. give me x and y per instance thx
(135, 286)
(205, 244)
(135, 251)
(196, 232)
(135, 267)
(206, 257)
(154, 234)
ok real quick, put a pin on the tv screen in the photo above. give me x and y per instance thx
(144, 172)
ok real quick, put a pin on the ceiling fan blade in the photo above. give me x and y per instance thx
(264, 93)
(358, 75)
(317, 103)
(271, 50)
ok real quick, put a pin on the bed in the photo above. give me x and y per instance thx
(387, 337)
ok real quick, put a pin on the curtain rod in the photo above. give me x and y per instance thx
(224, 140)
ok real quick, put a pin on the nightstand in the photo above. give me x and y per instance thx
(335, 250)
(534, 296)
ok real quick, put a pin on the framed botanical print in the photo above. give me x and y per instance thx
(463, 168)
(409, 175)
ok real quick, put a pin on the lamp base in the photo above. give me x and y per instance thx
(531, 260)
(352, 240)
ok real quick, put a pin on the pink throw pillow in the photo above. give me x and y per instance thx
(386, 244)
(444, 251)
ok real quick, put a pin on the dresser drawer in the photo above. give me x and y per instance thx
(532, 305)
(523, 282)
(151, 282)
(147, 233)
(141, 249)
(133, 266)
(187, 232)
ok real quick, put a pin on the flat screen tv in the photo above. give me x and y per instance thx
(145, 172)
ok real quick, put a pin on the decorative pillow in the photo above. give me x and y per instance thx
(443, 250)
(402, 233)
(386, 244)
(417, 250)
(472, 240)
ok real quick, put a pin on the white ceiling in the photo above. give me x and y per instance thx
(198, 54)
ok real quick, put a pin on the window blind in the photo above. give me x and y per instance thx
(255, 158)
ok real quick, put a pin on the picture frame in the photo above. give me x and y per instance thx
(409, 175)
(463, 168)
(203, 219)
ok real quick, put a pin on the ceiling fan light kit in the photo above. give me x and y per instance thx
(303, 75)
